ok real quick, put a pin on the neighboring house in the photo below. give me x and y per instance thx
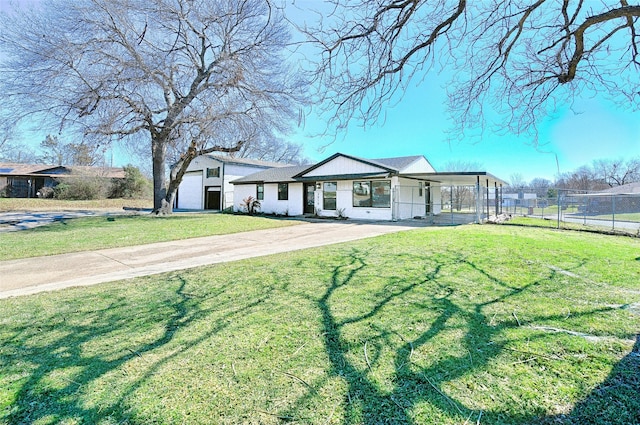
(206, 184)
(347, 186)
(615, 200)
(25, 180)
(520, 199)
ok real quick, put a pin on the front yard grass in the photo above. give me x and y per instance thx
(466, 325)
(82, 234)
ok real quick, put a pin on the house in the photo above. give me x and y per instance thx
(348, 186)
(25, 180)
(615, 200)
(206, 184)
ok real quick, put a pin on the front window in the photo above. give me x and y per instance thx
(283, 191)
(260, 191)
(329, 190)
(372, 194)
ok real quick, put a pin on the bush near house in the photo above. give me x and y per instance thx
(82, 187)
(134, 185)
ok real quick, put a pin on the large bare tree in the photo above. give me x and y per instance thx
(523, 58)
(195, 76)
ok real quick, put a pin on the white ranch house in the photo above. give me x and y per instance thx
(207, 183)
(369, 189)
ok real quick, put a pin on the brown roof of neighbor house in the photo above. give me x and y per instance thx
(43, 170)
(625, 189)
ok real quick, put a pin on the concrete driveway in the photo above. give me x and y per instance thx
(33, 275)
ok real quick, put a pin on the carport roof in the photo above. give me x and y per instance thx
(463, 178)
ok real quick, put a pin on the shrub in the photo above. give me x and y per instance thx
(134, 185)
(82, 188)
(46, 192)
(250, 204)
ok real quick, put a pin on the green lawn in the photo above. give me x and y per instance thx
(465, 325)
(37, 204)
(81, 234)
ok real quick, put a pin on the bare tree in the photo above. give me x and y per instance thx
(540, 186)
(192, 76)
(11, 150)
(517, 181)
(522, 58)
(460, 196)
(275, 150)
(582, 179)
(617, 172)
(57, 152)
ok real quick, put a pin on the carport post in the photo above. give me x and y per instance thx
(478, 201)
(488, 204)
(495, 195)
(451, 206)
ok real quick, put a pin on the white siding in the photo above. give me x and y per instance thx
(190, 191)
(232, 172)
(419, 166)
(343, 165)
(409, 202)
(344, 201)
(228, 173)
(270, 204)
(241, 192)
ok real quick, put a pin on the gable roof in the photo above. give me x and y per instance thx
(383, 167)
(354, 158)
(399, 163)
(273, 175)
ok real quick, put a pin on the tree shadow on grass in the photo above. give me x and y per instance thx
(418, 385)
(44, 352)
(616, 401)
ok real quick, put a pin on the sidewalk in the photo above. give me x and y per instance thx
(32, 275)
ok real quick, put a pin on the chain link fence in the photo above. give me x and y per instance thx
(568, 208)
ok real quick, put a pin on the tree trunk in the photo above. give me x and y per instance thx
(163, 195)
(159, 157)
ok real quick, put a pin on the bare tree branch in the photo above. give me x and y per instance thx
(521, 58)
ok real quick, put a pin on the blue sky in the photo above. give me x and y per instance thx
(593, 128)
(417, 124)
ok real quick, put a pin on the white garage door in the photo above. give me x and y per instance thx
(190, 191)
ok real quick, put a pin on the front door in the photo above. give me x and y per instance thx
(309, 198)
(212, 198)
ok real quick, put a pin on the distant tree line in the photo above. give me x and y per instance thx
(601, 174)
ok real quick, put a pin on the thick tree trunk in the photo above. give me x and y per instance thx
(159, 157)
(163, 195)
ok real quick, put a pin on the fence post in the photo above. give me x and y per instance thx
(613, 210)
(559, 208)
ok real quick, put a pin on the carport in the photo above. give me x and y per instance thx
(464, 197)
